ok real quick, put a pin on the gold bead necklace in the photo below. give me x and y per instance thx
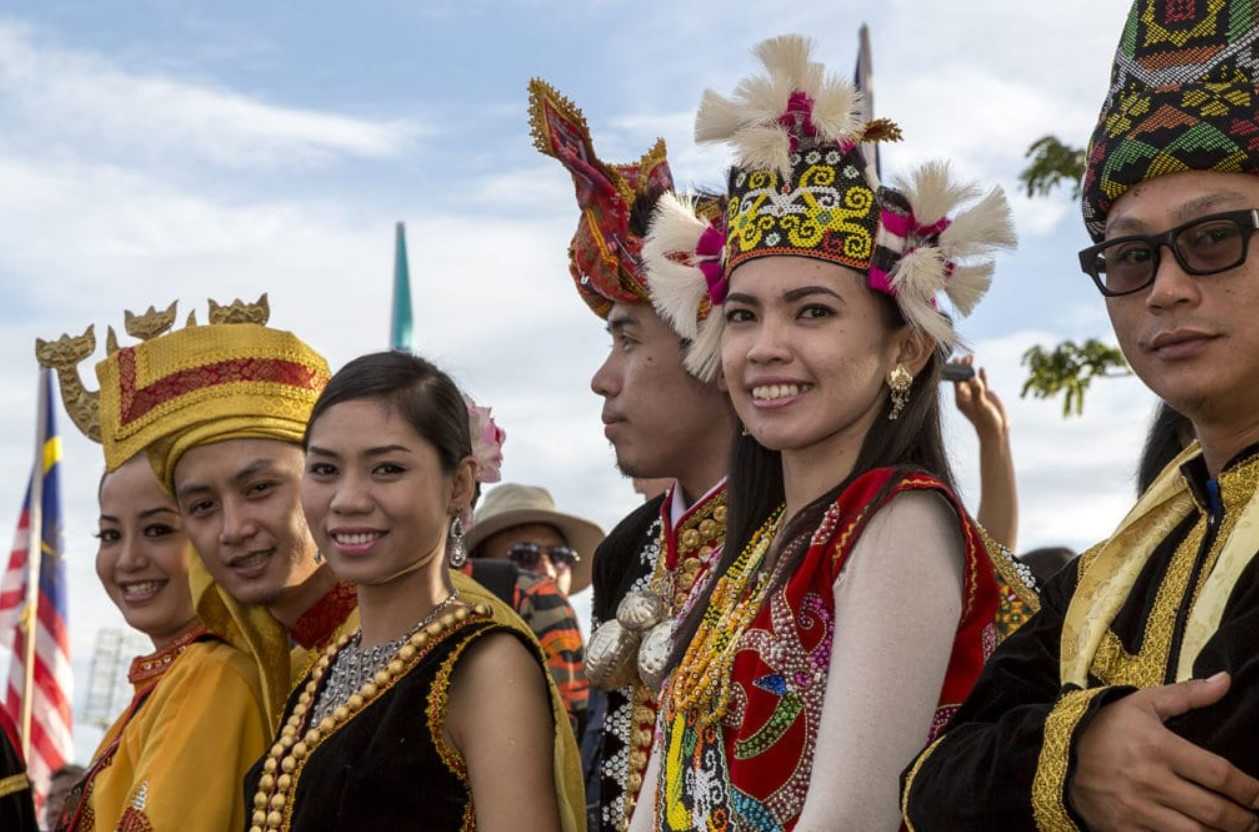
(273, 801)
(702, 683)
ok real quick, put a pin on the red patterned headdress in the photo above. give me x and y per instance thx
(605, 256)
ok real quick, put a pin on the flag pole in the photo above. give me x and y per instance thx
(401, 326)
(34, 558)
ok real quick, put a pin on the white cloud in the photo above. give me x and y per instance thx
(89, 97)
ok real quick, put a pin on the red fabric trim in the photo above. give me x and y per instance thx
(316, 626)
(137, 401)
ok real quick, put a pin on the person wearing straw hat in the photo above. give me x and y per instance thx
(522, 524)
(662, 422)
(534, 556)
(1130, 701)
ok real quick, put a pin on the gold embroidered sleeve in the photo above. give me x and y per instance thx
(1050, 783)
(14, 784)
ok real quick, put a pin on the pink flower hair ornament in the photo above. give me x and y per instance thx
(487, 442)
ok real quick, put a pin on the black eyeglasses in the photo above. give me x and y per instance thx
(1207, 245)
(528, 555)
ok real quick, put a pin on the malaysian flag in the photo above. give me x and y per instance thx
(38, 693)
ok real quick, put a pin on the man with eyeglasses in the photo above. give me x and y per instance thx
(1131, 700)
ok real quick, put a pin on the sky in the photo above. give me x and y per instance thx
(154, 150)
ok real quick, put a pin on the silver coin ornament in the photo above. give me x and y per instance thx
(610, 656)
(653, 655)
(641, 610)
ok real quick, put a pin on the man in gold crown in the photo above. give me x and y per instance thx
(220, 410)
(1131, 700)
(663, 422)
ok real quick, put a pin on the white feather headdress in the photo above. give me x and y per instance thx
(753, 122)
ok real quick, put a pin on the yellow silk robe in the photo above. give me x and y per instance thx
(176, 761)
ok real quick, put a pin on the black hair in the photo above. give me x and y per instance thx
(912, 443)
(1163, 443)
(643, 209)
(1047, 561)
(416, 389)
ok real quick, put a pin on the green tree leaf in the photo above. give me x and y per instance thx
(1053, 163)
(1069, 368)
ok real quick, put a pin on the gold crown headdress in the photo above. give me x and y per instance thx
(231, 378)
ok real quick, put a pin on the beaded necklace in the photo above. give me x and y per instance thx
(356, 664)
(702, 681)
(273, 801)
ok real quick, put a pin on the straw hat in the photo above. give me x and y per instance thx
(511, 504)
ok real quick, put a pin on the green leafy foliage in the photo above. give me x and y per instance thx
(1053, 163)
(1070, 368)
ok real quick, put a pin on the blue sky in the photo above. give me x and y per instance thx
(159, 150)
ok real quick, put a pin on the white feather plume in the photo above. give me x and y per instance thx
(767, 148)
(762, 100)
(703, 355)
(916, 279)
(786, 57)
(982, 229)
(835, 105)
(967, 286)
(747, 117)
(718, 118)
(932, 193)
(677, 288)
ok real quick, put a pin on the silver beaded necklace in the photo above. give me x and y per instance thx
(355, 664)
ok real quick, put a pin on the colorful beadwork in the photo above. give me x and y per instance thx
(701, 684)
(750, 768)
(826, 210)
(1183, 96)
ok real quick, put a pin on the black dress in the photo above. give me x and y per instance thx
(17, 809)
(387, 767)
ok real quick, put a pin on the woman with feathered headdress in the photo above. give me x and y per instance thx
(855, 601)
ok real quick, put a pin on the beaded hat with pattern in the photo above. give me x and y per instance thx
(605, 255)
(801, 187)
(1184, 96)
(233, 378)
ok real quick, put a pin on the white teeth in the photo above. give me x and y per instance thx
(358, 539)
(141, 589)
(771, 392)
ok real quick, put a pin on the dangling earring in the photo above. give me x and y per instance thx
(458, 555)
(899, 380)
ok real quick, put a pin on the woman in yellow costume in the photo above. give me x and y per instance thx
(438, 712)
(176, 756)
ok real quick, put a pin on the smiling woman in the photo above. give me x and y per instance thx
(389, 471)
(853, 604)
(197, 714)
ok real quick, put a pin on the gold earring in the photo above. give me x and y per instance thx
(899, 380)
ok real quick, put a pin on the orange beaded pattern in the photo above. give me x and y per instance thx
(273, 802)
(701, 684)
